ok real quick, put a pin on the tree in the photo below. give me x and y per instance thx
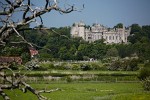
(10, 27)
(119, 25)
(112, 52)
(136, 33)
(135, 28)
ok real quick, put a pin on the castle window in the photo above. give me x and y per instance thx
(109, 37)
(116, 37)
(89, 38)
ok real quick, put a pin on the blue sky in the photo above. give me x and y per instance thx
(106, 12)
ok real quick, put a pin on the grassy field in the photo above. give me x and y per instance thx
(86, 91)
(72, 72)
(63, 75)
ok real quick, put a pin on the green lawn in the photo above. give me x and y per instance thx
(87, 91)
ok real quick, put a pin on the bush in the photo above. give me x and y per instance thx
(127, 65)
(46, 66)
(32, 65)
(98, 66)
(68, 79)
(85, 67)
(145, 76)
(133, 64)
(14, 66)
(115, 65)
(146, 84)
(144, 72)
(75, 66)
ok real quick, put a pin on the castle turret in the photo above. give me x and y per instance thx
(78, 30)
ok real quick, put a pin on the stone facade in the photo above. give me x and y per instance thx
(97, 31)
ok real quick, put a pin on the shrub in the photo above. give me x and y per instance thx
(68, 79)
(125, 65)
(128, 65)
(14, 66)
(85, 67)
(98, 66)
(46, 66)
(43, 67)
(115, 65)
(145, 76)
(133, 64)
(33, 64)
(146, 84)
(144, 72)
(75, 66)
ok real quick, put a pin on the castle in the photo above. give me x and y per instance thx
(97, 31)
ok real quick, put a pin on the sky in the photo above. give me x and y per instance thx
(105, 12)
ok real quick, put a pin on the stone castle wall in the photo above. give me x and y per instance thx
(97, 31)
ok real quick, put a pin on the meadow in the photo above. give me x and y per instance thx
(83, 85)
(86, 91)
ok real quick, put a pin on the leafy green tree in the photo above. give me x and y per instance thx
(146, 30)
(119, 25)
(72, 52)
(63, 53)
(112, 52)
(121, 50)
(136, 33)
(135, 28)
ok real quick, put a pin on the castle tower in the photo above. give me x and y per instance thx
(78, 30)
(81, 26)
(75, 30)
(123, 34)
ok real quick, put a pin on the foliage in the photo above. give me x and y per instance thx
(13, 66)
(119, 25)
(68, 79)
(112, 52)
(126, 65)
(146, 83)
(145, 72)
(145, 76)
(57, 44)
(32, 65)
(85, 67)
(13, 50)
(133, 64)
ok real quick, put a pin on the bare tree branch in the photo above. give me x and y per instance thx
(29, 13)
